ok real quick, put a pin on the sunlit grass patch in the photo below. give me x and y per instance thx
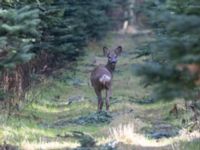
(127, 118)
(26, 145)
(125, 133)
(25, 132)
(46, 109)
(192, 145)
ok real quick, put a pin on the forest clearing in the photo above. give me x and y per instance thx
(59, 109)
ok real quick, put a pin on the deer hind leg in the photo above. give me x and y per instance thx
(108, 94)
(100, 101)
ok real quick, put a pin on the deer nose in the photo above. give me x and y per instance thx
(114, 60)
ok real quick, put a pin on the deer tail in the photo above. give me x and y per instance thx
(104, 79)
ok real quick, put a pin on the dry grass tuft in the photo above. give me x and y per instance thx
(125, 133)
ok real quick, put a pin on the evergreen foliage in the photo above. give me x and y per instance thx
(18, 30)
(175, 63)
(48, 29)
(69, 25)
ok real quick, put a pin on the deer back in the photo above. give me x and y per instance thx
(101, 78)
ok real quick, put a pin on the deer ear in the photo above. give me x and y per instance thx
(118, 50)
(105, 51)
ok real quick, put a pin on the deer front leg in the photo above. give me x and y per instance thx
(100, 101)
(108, 94)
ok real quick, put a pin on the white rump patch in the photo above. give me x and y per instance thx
(105, 78)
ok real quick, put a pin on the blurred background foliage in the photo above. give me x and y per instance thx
(174, 65)
(33, 33)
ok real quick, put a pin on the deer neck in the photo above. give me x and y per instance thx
(110, 67)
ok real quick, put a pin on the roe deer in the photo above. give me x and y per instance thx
(101, 76)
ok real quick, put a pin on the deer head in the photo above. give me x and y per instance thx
(112, 55)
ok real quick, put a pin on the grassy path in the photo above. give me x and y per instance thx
(62, 99)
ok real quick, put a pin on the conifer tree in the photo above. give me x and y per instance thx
(18, 30)
(49, 30)
(173, 69)
(69, 25)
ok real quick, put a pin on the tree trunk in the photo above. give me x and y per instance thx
(15, 82)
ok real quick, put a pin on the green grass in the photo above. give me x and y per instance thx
(194, 145)
(34, 124)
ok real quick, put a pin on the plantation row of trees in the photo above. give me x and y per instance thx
(36, 35)
(174, 67)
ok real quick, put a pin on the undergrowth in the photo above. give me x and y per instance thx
(67, 95)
